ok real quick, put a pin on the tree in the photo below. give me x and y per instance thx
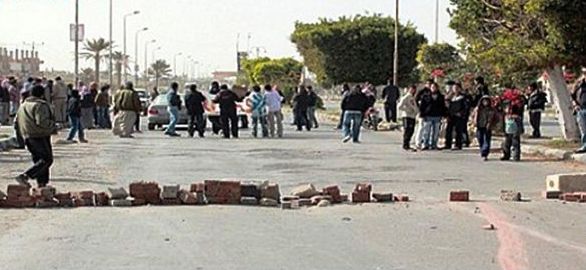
(93, 50)
(87, 75)
(284, 72)
(159, 69)
(440, 56)
(518, 37)
(357, 49)
(120, 63)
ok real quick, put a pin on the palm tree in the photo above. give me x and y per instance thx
(93, 50)
(159, 69)
(120, 63)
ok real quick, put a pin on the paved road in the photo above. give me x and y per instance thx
(428, 233)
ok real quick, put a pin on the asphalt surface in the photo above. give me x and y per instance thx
(427, 233)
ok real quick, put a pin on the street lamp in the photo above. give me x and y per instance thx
(153, 59)
(175, 64)
(396, 53)
(146, 67)
(125, 57)
(153, 54)
(136, 54)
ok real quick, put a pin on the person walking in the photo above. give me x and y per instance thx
(313, 98)
(126, 107)
(390, 96)
(408, 107)
(173, 107)
(274, 102)
(87, 105)
(457, 121)
(344, 92)
(300, 105)
(536, 101)
(103, 107)
(514, 104)
(194, 103)
(432, 109)
(37, 123)
(485, 117)
(4, 102)
(258, 105)
(59, 99)
(354, 105)
(74, 114)
(228, 111)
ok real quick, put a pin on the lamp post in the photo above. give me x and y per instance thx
(110, 73)
(146, 67)
(175, 64)
(125, 56)
(154, 60)
(136, 54)
(76, 44)
(396, 53)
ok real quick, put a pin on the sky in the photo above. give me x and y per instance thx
(206, 30)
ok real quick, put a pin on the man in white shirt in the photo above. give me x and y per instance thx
(274, 116)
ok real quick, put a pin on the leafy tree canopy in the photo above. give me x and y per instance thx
(438, 56)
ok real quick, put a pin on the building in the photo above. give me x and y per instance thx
(19, 63)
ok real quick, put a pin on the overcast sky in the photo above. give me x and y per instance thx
(204, 29)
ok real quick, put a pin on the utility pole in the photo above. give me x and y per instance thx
(437, 21)
(146, 69)
(136, 55)
(396, 53)
(125, 56)
(110, 70)
(76, 44)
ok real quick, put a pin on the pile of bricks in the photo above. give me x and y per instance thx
(18, 196)
(84, 198)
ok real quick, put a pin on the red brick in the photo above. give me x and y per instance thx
(459, 196)
(19, 202)
(581, 195)
(18, 191)
(45, 193)
(571, 197)
(222, 192)
(102, 199)
(150, 192)
(334, 192)
(383, 197)
(65, 199)
(360, 197)
(363, 187)
(402, 198)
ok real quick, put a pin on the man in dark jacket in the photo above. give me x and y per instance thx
(194, 101)
(4, 103)
(432, 108)
(36, 122)
(173, 107)
(74, 113)
(228, 111)
(313, 98)
(536, 105)
(354, 105)
(301, 103)
(391, 95)
(345, 91)
(457, 118)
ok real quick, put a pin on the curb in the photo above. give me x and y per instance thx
(7, 144)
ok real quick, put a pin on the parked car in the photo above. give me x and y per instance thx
(144, 99)
(158, 116)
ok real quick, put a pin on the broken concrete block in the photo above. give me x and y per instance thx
(268, 202)
(566, 183)
(459, 196)
(248, 201)
(305, 191)
(222, 192)
(510, 196)
(118, 193)
(121, 202)
(83, 198)
(304, 202)
(271, 191)
(551, 194)
(324, 203)
(170, 192)
(334, 192)
(360, 196)
(383, 197)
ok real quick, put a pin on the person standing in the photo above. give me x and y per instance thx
(390, 95)
(408, 107)
(419, 131)
(457, 112)
(579, 104)
(36, 124)
(274, 102)
(74, 114)
(59, 99)
(432, 109)
(313, 98)
(87, 105)
(354, 105)
(14, 96)
(485, 117)
(126, 107)
(481, 89)
(257, 103)
(4, 102)
(103, 107)
(228, 111)
(536, 105)
(514, 107)
(300, 105)
(344, 92)
(194, 103)
(173, 107)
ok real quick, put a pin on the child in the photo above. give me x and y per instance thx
(514, 107)
(485, 118)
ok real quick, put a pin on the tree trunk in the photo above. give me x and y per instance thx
(563, 102)
(97, 68)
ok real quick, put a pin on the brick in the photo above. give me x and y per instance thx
(402, 198)
(271, 191)
(510, 196)
(248, 201)
(383, 197)
(197, 187)
(459, 196)
(150, 192)
(581, 196)
(304, 202)
(363, 187)
(571, 197)
(187, 198)
(250, 190)
(344, 197)
(64, 199)
(83, 202)
(360, 197)
(175, 201)
(19, 202)
(170, 192)
(121, 202)
(47, 203)
(269, 202)
(118, 193)
(44, 193)
(288, 198)
(18, 191)
(551, 194)
(101, 199)
(566, 183)
(222, 192)
(334, 192)
(83, 198)
(305, 191)
(138, 202)
(318, 198)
